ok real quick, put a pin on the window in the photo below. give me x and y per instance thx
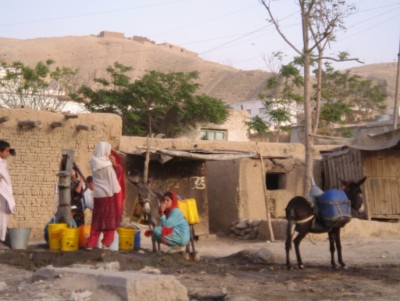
(213, 134)
(275, 180)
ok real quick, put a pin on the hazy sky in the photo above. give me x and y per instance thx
(231, 32)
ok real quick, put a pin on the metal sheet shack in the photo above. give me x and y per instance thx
(224, 177)
(376, 156)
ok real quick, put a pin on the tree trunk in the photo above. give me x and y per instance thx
(307, 111)
(316, 112)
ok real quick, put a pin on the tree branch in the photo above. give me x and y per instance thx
(275, 22)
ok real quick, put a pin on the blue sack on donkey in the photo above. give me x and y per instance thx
(334, 208)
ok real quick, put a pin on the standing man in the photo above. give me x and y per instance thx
(7, 202)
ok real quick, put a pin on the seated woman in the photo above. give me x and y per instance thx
(174, 229)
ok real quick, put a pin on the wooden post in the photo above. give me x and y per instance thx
(29, 124)
(56, 124)
(147, 162)
(82, 127)
(270, 230)
(4, 119)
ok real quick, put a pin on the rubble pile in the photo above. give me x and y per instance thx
(244, 229)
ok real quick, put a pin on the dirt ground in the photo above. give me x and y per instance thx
(228, 270)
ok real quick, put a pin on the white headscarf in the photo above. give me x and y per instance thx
(100, 157)
(104, 177)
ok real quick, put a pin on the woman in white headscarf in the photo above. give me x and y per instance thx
(105, 216)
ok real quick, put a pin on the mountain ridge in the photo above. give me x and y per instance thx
(93, 54)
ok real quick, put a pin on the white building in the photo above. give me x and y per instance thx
(257, 108)
(253, 107)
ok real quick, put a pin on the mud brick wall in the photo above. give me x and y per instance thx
(39, 150)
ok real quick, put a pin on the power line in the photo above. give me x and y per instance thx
(94, 13)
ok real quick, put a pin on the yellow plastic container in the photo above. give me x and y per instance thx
(189, 210)
(126, 238)
(182, 204)
(84, 233)
(55, 234)
(70, 239)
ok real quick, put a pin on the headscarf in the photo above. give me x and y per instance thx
(104, 177)
(121, 176)
(100, 157)
(172, 195)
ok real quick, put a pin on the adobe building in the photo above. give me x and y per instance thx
(39, 138)
(225, 177)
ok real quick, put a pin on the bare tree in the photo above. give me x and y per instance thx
(319, 19)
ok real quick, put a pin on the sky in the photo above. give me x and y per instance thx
(231, 32)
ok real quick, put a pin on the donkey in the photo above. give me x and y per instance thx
(150, 202)
(302, 217)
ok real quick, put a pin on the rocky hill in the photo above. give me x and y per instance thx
(93, 54)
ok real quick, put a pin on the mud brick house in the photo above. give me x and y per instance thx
(225, 177)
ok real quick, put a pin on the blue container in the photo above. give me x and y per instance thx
(334, 207)
(136, 243)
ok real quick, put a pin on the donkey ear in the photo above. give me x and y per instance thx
(360, 182)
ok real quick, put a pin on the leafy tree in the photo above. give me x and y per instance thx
(257, 125)
(334, 112)
(37, 88)
(281, 98)
(157, 103)
(351, 97)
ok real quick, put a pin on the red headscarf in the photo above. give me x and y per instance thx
(120, 175)
(172, 195)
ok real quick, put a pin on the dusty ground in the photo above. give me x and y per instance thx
(226, 271)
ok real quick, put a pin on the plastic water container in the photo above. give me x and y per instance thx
(70, 239)
(84, 233)
(126, 238)
(136, 243)
(55, 234)
(189, 210)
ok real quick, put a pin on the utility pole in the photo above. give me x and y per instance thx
(396, 93)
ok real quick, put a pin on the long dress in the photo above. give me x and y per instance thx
(174, 228)
(7, 202)
(105, 216)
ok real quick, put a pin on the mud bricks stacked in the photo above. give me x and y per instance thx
(34, 169)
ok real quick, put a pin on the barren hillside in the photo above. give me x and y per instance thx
(93, 54)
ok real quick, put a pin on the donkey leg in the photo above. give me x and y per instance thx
(296, 242)
(339, 248)
(288, 244)
(332, 238)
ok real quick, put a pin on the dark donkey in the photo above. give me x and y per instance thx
(301, 216)
(150, 202)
